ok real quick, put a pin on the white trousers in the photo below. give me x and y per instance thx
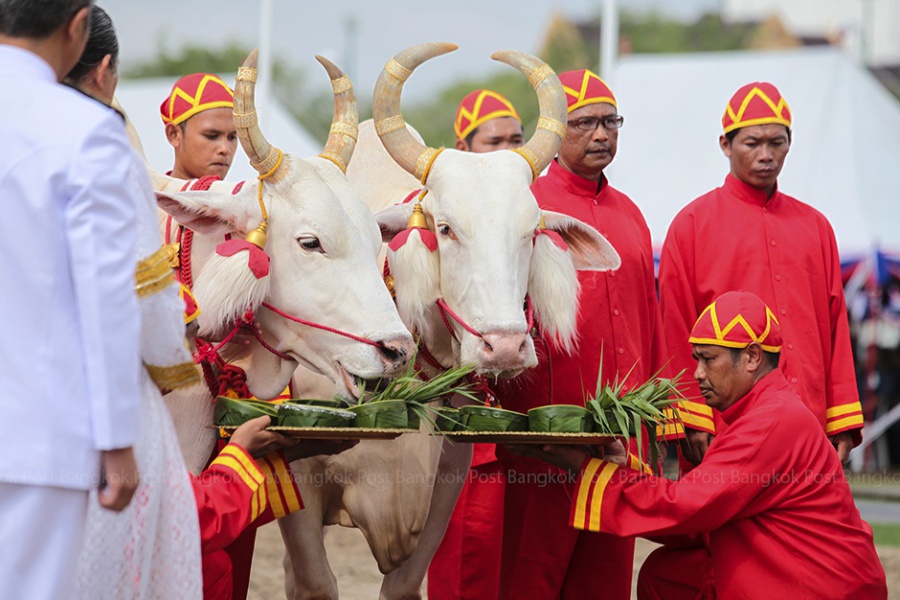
(41, 531)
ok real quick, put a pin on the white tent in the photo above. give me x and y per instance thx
(141, 99)
(844, 158)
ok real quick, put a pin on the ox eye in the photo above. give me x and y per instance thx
(445, 229)
(310, 243)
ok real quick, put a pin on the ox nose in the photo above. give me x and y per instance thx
(395, 354)
(502, 351)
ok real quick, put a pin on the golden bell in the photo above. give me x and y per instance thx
(542, 224)
(258, 237)
(417, 218)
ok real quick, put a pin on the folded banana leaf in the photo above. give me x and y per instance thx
(384, 414)
(301, 415)
(567, 418)
(447, 418)
(231, 412)
(487, 418)
(326, 402)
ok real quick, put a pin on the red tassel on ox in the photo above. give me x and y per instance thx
(257, 259)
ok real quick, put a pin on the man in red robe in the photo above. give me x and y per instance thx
(748, 235)
(716, 244)
(467, 563)
(770, 493)
(618, 323)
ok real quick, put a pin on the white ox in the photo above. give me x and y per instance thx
(323, 244)
(401, 493)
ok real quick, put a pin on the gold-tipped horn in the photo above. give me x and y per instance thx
(345, 123)
(263, 156)
(414, 157)
(551, 125)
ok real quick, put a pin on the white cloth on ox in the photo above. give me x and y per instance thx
(44, 524)
(152, 548)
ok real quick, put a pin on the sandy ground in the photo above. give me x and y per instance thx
(359, 579)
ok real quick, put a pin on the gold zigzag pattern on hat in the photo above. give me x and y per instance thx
(722, 332)
(475, 117)
(194, 101)
(777, 109)
(581, 94)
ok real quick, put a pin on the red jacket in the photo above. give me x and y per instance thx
(784, 252)
(770, 492)
(234, 493)
(618, 312)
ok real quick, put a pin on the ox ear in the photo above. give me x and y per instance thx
(209, 212)
(393, 219)
(589, 250)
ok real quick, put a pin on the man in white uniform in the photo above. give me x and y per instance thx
(69, 353)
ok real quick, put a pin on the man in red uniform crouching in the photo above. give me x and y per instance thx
(248, 485)
(770, 492)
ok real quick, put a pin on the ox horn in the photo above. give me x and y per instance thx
(551, 125)
(263, 156)
(345, 124)
(406, 151)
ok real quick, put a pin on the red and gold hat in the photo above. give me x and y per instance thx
(585, 87)
(735, 320)
(479, 107)
(757, 103)
(193, 94)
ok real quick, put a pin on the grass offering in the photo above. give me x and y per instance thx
(233, 412)
(638, 411)
(560, 418)
(489, 418)
(415, 393)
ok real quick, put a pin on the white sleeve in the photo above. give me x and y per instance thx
(100, 231)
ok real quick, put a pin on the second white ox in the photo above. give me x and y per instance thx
(491, 254)
(322, 243)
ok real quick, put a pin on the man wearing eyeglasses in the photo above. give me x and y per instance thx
(618, 324)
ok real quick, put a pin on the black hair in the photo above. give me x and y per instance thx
(36, 19)
(730, 135)
(772, 358)
(101, 42)
(471, 137)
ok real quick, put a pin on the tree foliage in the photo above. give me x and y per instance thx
(568, 45)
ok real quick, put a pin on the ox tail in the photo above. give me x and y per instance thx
(417, 281)
(225, 290)
(553, 287)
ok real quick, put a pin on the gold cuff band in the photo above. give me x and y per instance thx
(531, 158)
(175, 377)
(553, 126)
(341, 85)
(269, 162)
(397, 70)
(424, 162)
(390, 124)
(342, 128)
(335, 159)
(172, 251)
(539, 74)
(247, 74)
(153, 273)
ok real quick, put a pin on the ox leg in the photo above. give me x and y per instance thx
(405, 582)
(307, 574)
